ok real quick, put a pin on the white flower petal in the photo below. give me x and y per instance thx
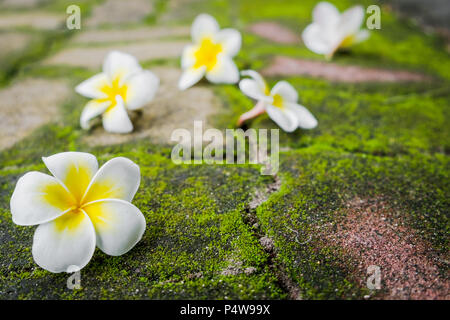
(188, 56)
(325, 13)
(257, 77)
(204, 25)
(64, 243)
(74, 170)
(118, 224)
(256, 87)
(93, 109)
(116, 118)
(286, 91)
(91, 87)
(231, 41)
(120, 65)
(362, 35)
(351, 20)
(317, 40)
(225, 71)
(141, 89)
(284, 118)
(119, 178)
(252, 89)
(306, 120)
(190, 77)
(39, 198)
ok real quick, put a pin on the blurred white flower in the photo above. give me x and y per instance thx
(280, 103)
(331, 30)
(123, 85)
(78, 208)
(210, 54)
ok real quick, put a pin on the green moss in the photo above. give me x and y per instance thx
(376, 119)
(380, 119)
(318, 183)
(194, 226)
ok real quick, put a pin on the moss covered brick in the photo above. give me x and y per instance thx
(379, 146)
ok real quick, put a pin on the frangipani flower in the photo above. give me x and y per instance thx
(78, 208)
(331, 30)
(280, 103)
(210, 54)
(123, 85)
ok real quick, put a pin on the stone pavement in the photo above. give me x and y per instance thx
(368, 186)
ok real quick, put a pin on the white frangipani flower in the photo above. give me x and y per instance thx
(123, 85)
(78, 208)
(210, 54)
(331, 30)
(280, 103)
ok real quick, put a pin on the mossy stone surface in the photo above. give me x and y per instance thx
(205, 237)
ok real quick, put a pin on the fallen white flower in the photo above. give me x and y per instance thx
(78, 208)
(331, 30)
(123, 85)
(210, 54)
(280, 103)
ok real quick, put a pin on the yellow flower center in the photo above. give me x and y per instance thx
(75, 200)
(348, 41)
(206, 54)
(278, 101)
(112, 90)
(77, 180)
(58, 197)
(69, 221)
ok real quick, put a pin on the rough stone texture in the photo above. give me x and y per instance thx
(371, 234)
(139, 34)
(267, 243)
(171, 109)
(274, 32)
(114, 12)
(285, 66)
(261, 195)
(93, 57)
(326, 237)
(179, 9)
(12, 41)
(27, 105)
(37, 20)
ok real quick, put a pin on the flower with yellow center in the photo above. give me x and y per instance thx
(280, 103)
(210, 54)
(78, 208)
(331, 30)
(123, 85)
